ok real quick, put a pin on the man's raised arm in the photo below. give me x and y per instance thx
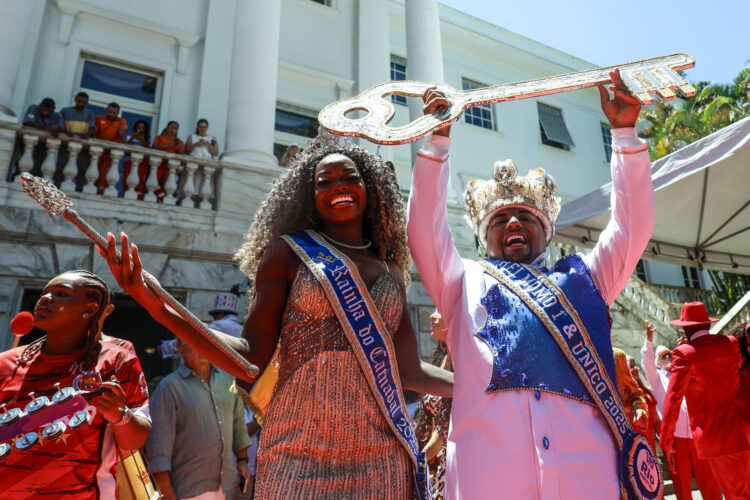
(621, 244)
(430, 238)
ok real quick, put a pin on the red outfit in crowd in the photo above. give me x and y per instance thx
(81, 463)
(706, 373)
(162, 171)
(107, 130)
(743, 397)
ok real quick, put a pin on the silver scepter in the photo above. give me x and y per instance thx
(55, 202)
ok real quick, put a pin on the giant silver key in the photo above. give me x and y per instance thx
(643, 78)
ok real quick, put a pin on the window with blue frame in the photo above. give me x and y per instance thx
(607, 140)
(481, 116)
(398, 73)
(295, 123)
(119, 81)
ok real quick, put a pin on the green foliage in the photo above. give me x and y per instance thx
(729, 288)
(670, 127)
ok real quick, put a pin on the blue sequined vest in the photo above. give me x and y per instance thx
(525, 355)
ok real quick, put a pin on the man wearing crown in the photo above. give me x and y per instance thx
(535, 413)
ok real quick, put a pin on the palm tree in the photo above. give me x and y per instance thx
(713, 107)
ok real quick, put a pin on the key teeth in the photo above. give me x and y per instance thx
(666, 94)
(687, 90)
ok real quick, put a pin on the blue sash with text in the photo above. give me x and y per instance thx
(640, 475)
(368, 336)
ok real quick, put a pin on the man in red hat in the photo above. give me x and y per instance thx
(705, 371)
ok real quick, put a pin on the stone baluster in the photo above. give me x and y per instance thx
(71, 167)
(152, 182)
(132, 181)
(26, 163)
(92, 172)
(49, 165)
(171, 185)
(189, 187)
(207, 189)
(113, 174)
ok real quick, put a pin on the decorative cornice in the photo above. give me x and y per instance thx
(71, 8)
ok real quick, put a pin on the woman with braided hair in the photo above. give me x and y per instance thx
(326, 251)
(77, 462)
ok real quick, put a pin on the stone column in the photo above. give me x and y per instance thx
(14, 22)
(424, 50)
(373, 53)
(252, 86)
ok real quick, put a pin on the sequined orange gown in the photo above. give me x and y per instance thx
(324, 435)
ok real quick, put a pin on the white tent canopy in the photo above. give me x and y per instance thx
(702, 205)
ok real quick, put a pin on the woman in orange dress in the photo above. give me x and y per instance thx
(325, 434)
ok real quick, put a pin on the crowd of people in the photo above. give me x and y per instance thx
(525, 398)
(79, 121)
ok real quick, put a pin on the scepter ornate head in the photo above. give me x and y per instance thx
(44, 192)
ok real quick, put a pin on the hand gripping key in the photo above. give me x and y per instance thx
(55, 202)
(643, 78)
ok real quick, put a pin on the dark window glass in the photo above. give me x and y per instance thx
(553, 129)
(481, 116)
(640, 271)
(398, 73)
(607, 140)
(118, 81)
(292, 123)
(690, 277)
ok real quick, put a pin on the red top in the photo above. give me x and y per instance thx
(67, 465)
(706, 373)
(743, 397)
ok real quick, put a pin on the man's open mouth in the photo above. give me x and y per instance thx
(515, 240)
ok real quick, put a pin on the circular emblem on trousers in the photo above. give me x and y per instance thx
(642, 472)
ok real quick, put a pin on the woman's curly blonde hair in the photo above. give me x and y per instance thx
(289, 207)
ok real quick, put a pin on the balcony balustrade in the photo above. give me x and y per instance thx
(114, 170)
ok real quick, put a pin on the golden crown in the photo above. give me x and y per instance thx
(536, 191)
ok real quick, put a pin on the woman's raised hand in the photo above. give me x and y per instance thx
(128, 271)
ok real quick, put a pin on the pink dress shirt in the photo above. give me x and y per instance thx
(659, 380)
(496, 442)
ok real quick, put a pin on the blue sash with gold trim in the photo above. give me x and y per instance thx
(368, 336)
(640, 475)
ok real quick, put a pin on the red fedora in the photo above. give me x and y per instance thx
(693, 313)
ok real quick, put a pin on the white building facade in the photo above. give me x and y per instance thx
(260, 71)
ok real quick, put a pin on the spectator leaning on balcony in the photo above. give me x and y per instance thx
(113, 128)
(168, 142)
(200, 144)
(43, 116)
(77, 119)
(140, 136)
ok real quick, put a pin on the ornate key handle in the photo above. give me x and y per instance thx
(55, 202)
(643, 78)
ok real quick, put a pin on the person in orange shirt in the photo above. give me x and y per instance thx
(113, 128)
(168, 142)
(632, 395)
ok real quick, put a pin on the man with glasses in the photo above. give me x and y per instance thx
(683, 464)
